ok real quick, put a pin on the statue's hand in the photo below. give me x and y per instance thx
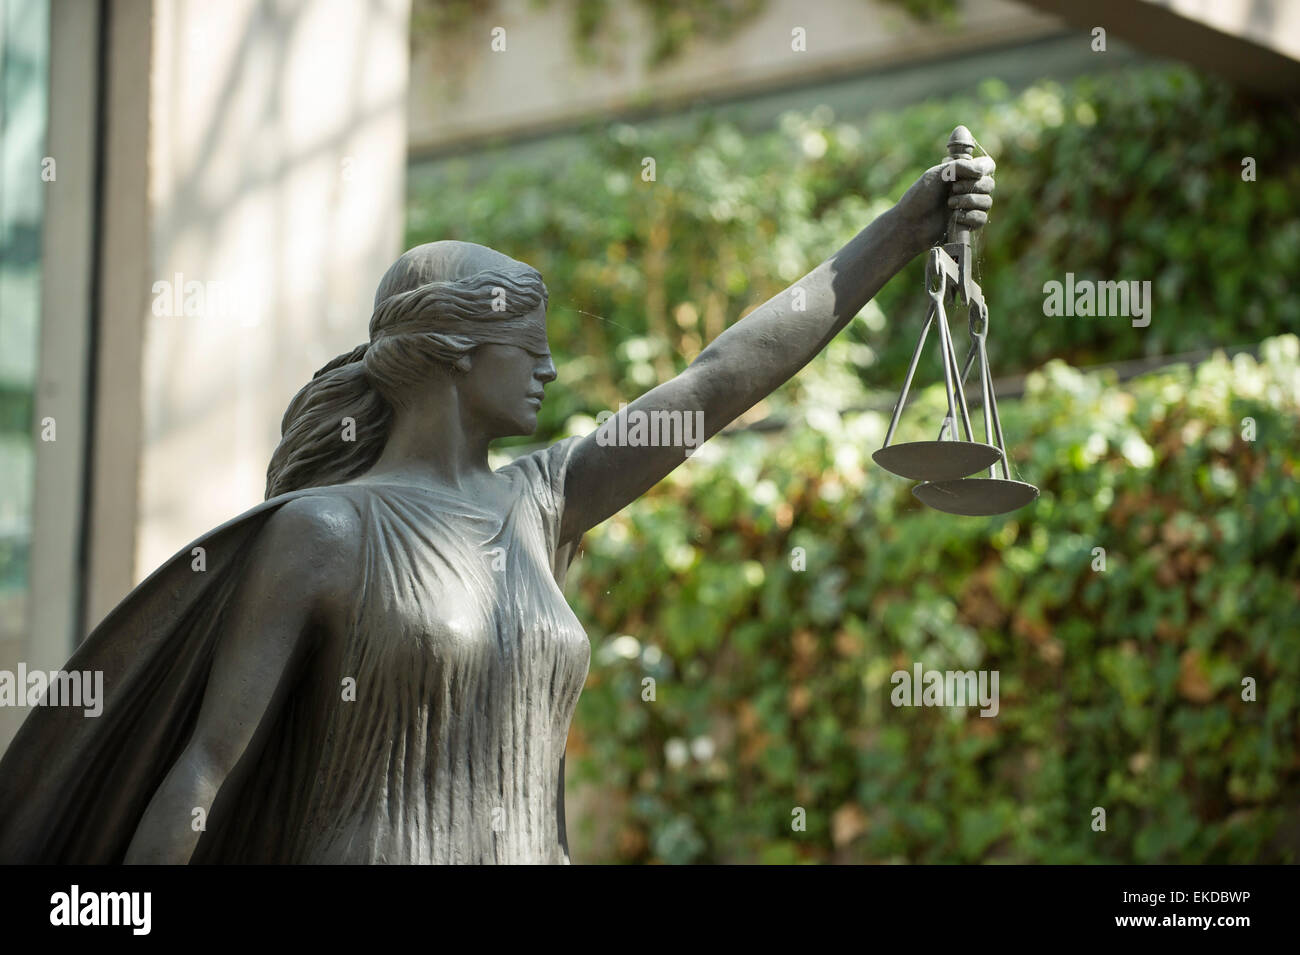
(961, 185)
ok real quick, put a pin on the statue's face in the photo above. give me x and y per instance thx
(503, 387)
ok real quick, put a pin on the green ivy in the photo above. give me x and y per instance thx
(673, 24)
(1119, 688)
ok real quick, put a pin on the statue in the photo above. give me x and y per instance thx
(378, 664)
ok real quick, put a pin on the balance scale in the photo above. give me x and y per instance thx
(944, 466)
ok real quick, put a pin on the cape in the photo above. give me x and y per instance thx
(74, 788)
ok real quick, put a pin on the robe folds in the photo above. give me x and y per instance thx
(431, 731)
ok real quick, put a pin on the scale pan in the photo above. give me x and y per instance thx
(975, 497)
(936, 460)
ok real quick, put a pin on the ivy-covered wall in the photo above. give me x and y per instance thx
(1120, 671)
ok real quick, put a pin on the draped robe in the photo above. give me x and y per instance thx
(465, 664)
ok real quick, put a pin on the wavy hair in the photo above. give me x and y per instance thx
(433, 307)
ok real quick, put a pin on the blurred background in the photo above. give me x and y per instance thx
(197, 201)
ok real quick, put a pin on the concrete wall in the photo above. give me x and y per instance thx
(255, 147)
(68, 282)
(277, 152)
(1254, 44)
(463, 91)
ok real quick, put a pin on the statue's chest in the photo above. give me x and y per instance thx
(466, 596)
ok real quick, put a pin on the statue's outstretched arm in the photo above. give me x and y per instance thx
(293, 586)
(763, 350)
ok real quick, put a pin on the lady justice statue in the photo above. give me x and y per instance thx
(378, 664)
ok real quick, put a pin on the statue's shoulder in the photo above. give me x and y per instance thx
(319, 517)
(545, 471)
(547, 464)
(312, 546)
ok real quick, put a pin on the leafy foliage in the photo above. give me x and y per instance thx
(1119, 688)
(1136, 175)
(672, 24)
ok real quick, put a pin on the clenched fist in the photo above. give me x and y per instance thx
(964, 186)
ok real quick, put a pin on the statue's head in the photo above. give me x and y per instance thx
(452, 320)
(466, 311)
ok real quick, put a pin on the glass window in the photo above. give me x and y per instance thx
(24, 175)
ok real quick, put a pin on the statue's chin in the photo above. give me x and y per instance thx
(521, 428)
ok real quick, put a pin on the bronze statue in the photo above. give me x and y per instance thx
(378, 663)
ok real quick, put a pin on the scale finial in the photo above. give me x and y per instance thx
(961, 144)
